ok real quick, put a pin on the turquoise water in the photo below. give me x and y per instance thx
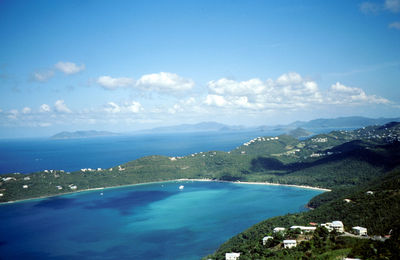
(152, 221)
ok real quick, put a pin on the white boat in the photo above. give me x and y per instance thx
(181, 187)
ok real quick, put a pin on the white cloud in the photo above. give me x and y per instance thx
(127, 107)
(341, 94)
(69, 67)
(392, 5)
(13, 114)
(289, 90)
(164, 82)
(43, 76)
(111, 107)
(26, 110)
(289, 79)
(61, 107)
(44, 108)
(216, 100)
(113, 83)
(134, 107)
(395, 25)
(230, 87)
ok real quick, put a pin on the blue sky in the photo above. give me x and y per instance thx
(128, 65)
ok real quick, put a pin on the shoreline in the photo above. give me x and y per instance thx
(260, 183)
(174, 180)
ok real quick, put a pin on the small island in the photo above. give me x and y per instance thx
(82, 134)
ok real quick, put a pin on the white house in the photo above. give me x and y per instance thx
(9, 179)
(1, 194)
(59, 187)
(289, 243)
(338, 226)
(334, 225)
(304, 229)
(232, 256)
(370, 192)
(73, 187)
(361, 231)
(279, 229)
(27, 178)
(265, 239)
(25, 186)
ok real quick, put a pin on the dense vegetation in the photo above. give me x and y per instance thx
(378, 212)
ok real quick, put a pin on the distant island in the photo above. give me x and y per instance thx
(82, 134)
(299, 133)
(298, 129)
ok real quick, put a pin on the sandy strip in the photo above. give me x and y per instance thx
(260, 183)
(175, 180)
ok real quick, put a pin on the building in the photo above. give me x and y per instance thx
(370, 192)
(334, 225)
(25, 186)
(289, 243)
(361, 231)
(279, 229)
(265, 239)
(304, 229)
(232, 256)
(338, 226)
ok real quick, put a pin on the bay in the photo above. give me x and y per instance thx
(151, 221)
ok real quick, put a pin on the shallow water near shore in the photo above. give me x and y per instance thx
(152, 221)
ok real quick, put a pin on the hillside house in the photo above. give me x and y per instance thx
(279, 229)
(232, 256)
(304, 229)
(361, 231)
(289, 243)
(334, 225)
(265, 239)
(25, 186)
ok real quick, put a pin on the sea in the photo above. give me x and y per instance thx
(147, 221)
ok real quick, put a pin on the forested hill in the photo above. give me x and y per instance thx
(338, 159)
(374, 205)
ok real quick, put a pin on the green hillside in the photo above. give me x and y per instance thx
(378, 212)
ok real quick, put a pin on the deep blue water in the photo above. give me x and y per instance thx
(30, 155)
(152, 221)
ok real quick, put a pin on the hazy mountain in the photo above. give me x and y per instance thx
(299, 132)
(342, 122)
(200, 127)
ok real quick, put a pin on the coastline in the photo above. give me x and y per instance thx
(174, 180)
(261, 183)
